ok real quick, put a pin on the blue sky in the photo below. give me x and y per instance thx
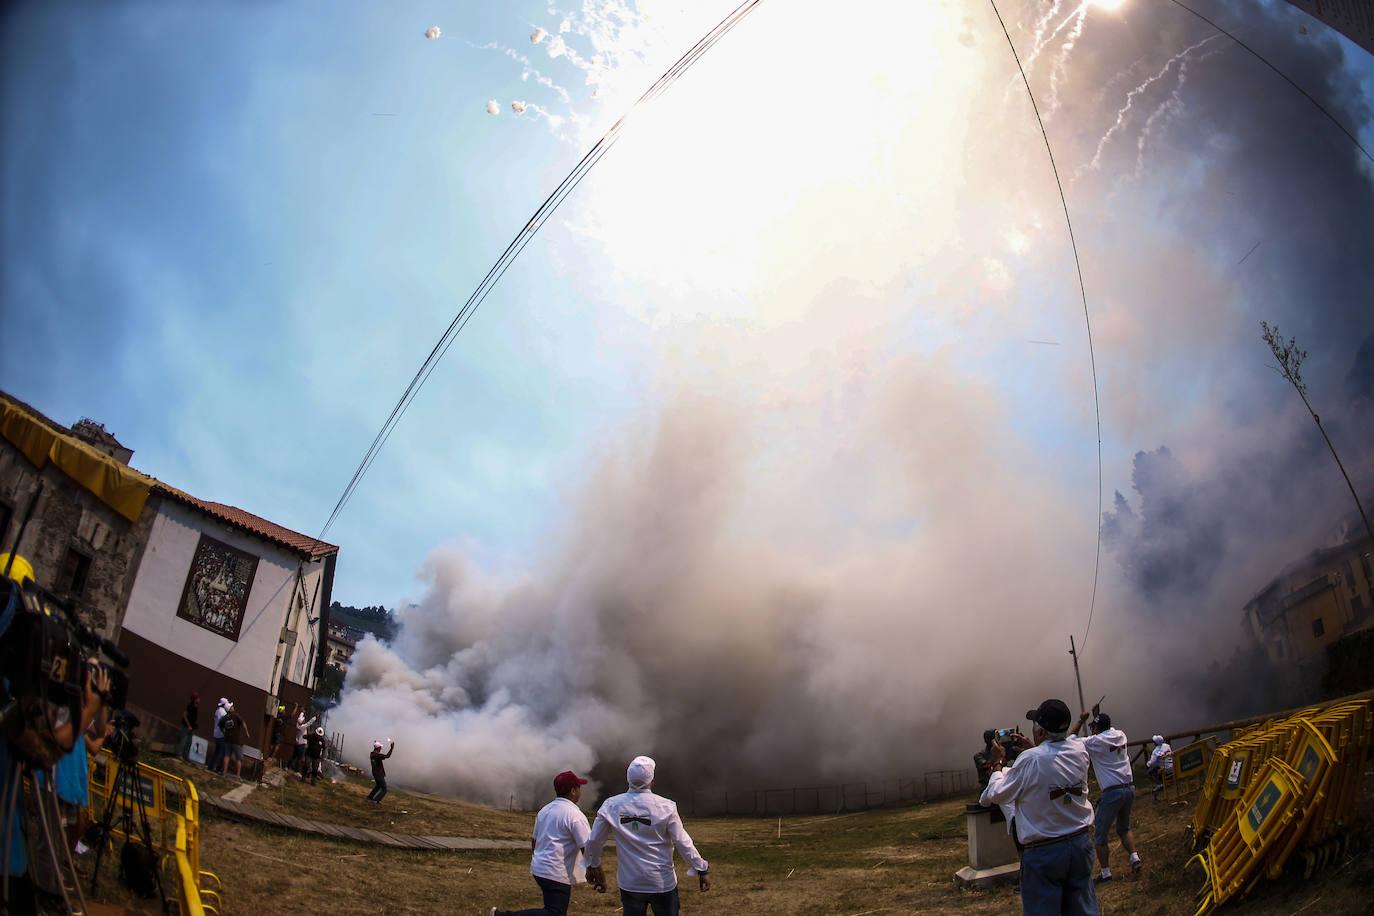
(824, 280)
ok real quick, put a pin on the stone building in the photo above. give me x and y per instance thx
(201, 596)
(1316, 601)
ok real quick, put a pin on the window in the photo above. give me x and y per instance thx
(71, 580)
(1318, 628)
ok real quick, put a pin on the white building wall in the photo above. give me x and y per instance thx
(152, 610)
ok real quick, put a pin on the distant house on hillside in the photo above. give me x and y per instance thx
(1327, 595)
(202, 596)
(341, 643)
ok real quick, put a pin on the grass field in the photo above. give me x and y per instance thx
(896, 860)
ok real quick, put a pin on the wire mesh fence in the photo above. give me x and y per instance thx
(830, 799)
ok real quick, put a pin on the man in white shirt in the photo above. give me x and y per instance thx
(1161, 762)
(560, 833)
(646, 828)
(1049, 786)
(1112, 764)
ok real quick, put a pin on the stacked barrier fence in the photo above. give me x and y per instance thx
(1284, 786)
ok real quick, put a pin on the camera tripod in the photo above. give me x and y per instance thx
(52, 872)
(126, 798)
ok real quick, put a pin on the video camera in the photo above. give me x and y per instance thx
(1007, 738)
(44, 656)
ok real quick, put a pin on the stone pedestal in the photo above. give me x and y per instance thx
(991, 853)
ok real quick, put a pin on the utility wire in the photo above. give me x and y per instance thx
(522, 238)
(1259, 57)
(1083, 292)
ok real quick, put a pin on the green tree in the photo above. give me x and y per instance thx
(1290, 367)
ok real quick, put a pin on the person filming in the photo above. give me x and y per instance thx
(1048, 784)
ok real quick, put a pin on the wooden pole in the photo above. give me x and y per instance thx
(1077, 679)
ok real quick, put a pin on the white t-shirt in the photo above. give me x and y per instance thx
(1162, 754)
(646, 827)
(1111, 758)
(560, 830)
(1049, 785)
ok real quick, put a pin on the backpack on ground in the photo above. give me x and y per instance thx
(138, 869)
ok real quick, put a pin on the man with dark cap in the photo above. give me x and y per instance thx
(1112, 763)
(1049, 786)
(560, 833)
(646, 828)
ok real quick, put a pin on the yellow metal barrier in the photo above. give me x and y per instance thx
(161, 793)
(172, 805)
(1298, 781)
(1190, 769)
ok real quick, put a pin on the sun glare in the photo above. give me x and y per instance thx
(1110, 5)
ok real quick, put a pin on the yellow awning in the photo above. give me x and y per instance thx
(116, 485)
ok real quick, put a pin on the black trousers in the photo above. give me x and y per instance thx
(556, 899)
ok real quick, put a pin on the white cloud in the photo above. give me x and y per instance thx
(517, 107)
(493, 107)
(537, 35)
(432, 32)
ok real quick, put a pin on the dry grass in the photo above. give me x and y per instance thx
(888, 861)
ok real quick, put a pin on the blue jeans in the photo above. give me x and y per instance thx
(1115, 804)
(556, 899)
(635, 904)
(379, 792)
(1058, 878)
(218, 756)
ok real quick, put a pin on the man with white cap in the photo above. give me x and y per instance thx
(560, 833)
(1161, 762)
(646, 828)
(1049, 784)
(379, 771)
(219, 754)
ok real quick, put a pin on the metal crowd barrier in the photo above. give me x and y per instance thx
(172, 806)
(1288, 786)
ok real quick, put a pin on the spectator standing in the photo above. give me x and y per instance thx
(646, 828)
(235, 733)
(379, 771)
(1112, 765)
(1161, 762)
(1049, 786)
(278, 730)
(560, 833)
(221, 749)
(190, 716)
(314, 752)
(302, 733)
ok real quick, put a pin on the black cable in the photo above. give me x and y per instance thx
(1284, 76)
(522, 238)
(1097, 401)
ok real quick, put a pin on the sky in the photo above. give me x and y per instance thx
(776, 451)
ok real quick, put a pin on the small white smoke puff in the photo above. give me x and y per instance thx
(537, 35)
(493, 107)
(517, 107)
(432, 32)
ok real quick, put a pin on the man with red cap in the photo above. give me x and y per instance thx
(560, 832)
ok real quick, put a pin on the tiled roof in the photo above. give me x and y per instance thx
(303, 543)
